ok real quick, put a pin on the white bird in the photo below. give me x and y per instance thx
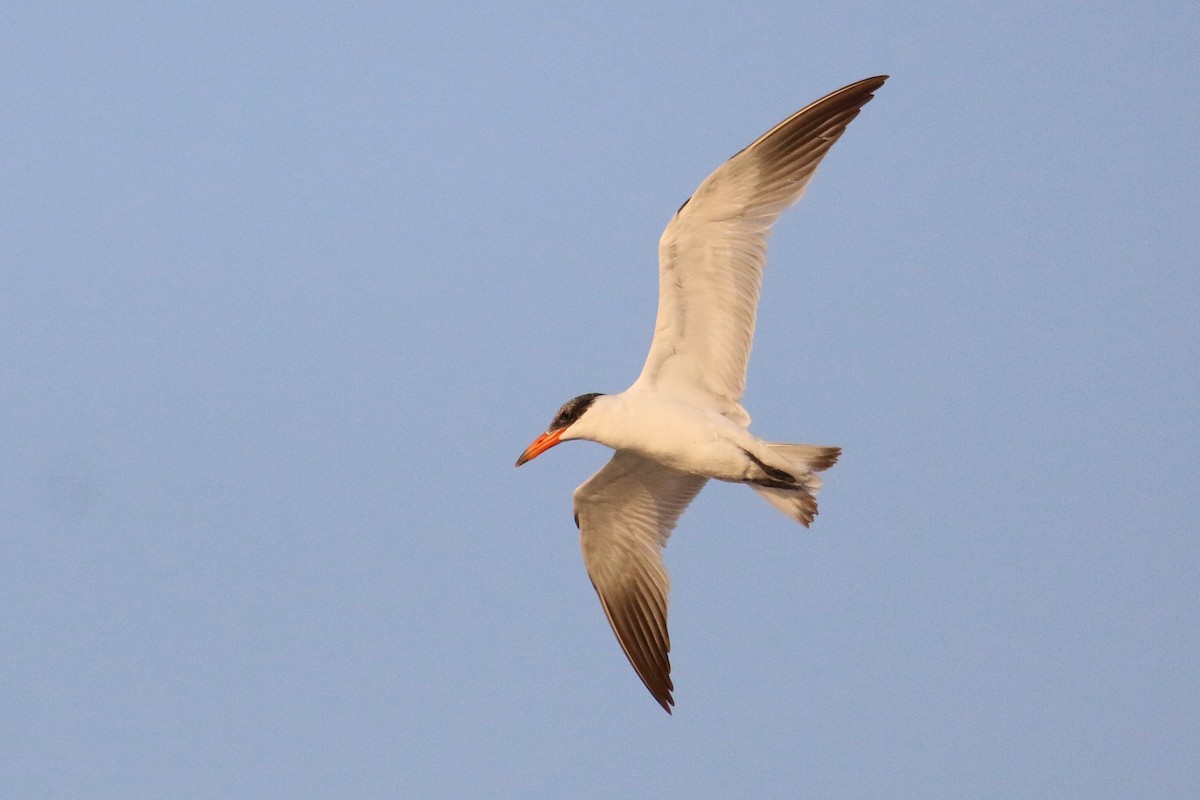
(682, 421)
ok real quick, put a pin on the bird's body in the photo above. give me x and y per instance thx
(681, 423)
(675, 434)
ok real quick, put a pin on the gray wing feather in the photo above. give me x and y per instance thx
(712, 254)
(625, 513)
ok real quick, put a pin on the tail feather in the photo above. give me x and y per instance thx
(800, 501)
(812, 456)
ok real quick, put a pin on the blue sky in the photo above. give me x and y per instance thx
(286, 288)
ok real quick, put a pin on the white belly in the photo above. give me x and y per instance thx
(679, 436)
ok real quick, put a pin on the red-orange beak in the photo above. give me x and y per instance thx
(540, 445)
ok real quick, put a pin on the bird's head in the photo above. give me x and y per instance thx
(560, 426)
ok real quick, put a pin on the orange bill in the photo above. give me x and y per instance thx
(540, 445)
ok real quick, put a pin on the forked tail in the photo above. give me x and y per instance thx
(799, 501)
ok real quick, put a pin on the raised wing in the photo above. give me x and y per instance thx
(712, 253)
(625, 513)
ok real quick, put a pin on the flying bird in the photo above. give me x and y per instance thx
(682, 422)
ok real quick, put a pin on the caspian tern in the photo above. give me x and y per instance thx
(682, 421)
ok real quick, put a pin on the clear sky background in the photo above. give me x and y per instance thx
(286, 288)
